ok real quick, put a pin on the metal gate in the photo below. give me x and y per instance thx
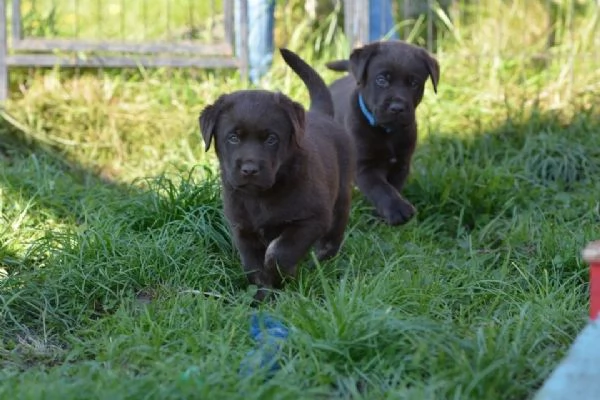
(22, 47)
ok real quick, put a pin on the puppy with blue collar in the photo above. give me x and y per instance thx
(376, 102)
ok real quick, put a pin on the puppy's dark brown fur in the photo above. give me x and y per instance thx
(390, 78)
(286, 175)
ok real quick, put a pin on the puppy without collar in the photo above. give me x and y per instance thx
(286, 175)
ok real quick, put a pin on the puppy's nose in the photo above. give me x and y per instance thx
(249, 169)
(397, 107)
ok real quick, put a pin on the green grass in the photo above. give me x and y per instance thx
(118, 278)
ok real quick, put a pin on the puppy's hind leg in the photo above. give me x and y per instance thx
(287, 250)
(329, 245)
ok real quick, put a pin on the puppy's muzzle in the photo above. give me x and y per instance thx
(396, 111)
(249, 168)
(397, 107)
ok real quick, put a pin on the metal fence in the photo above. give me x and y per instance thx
(75, 33)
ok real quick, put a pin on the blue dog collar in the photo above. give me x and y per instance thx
(368, 114)
(363, 107)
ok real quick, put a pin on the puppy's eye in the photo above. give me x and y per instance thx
(413, 83)
(272, 139)
(382, 80)
(233, 138)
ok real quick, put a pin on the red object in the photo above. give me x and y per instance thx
(591, 254)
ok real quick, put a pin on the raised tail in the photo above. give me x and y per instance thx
(339, 65)
(320, 97)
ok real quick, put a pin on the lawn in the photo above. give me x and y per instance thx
(118, 278)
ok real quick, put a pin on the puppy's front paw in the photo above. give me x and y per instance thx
(400, 213)
(274, 271)
(326, 250)
(262, 293)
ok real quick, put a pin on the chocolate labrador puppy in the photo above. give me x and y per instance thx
(286, 175)
(377, 103)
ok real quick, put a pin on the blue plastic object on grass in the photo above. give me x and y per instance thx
(269, 334)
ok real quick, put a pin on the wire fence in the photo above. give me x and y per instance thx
(201, 33)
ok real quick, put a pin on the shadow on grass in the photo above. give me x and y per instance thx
(537, 161)
(523, 193)
(77, 243)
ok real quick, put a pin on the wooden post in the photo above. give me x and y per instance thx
(245, 56)
(3, 53)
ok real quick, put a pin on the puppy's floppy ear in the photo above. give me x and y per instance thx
(295, 113)
(298, 118)
(339, 65)
(208, 120)
(432, 67)
(359, 60)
